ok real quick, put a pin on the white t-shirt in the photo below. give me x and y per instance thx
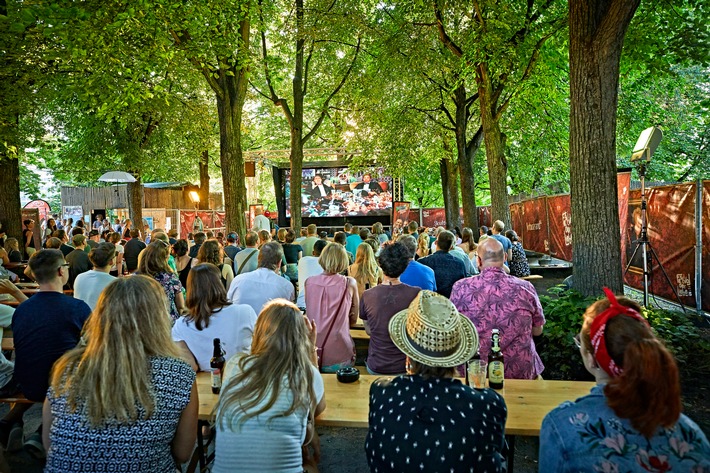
(233, 325)
(261, 223)
(258, 287)
(119, 250)
(261, 443)
(89, 285)
(307, 266)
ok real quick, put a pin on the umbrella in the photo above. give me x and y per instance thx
(117, 176)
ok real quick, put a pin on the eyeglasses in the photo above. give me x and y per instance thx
(62, 265)
(577, 341)
(161, 241)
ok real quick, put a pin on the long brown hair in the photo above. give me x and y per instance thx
(648, 390)
(110, 370)
(280, 349)
(154, 259)
(205, 294)
(210, 252)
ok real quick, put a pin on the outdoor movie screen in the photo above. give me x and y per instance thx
(339, 192)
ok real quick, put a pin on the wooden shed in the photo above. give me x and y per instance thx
(169, 195)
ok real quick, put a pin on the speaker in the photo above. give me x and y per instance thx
(647, 144)
(250, 169)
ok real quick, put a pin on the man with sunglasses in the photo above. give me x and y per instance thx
(44, 327)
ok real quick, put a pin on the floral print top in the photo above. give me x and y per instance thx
(171, 285)
(586, 436)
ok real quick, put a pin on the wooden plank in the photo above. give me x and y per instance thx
(357, 334)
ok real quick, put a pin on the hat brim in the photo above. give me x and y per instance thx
(465, 351)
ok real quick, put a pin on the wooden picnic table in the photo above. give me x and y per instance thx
(347, 405)
(31, 291)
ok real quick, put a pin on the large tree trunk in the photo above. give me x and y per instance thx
(470, 214)
(135, 202)
(10, 206)
(204, 181)
(296, 178)
(495, 151)
(296, 124)
(449, 185)
(465, 167)
(597, 30)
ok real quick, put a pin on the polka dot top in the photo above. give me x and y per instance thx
(434, 425)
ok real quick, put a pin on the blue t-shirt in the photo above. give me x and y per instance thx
(352, 242)
(44, 327)
(507, 245)
(420, 276)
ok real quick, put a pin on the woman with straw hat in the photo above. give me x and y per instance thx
(427, 420)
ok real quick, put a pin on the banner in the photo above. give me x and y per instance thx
(517, 221)
(670, 219)
(42, 206)
(206, 217)
(559, 218)
(414, 216)
(705, 286)
(433, 218)
(623, 189)
(535, 234)
(187, 218)
(31, 214)
(400, 213)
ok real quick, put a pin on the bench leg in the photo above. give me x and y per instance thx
(510, 441)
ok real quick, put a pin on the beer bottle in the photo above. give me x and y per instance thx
(217, 365)
(495, 362)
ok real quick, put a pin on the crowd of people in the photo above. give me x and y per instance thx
(114, 363)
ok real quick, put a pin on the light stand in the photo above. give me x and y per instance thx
(646, 145)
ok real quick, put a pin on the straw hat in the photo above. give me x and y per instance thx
(431, 331)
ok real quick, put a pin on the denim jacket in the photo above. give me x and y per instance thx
(586, 436)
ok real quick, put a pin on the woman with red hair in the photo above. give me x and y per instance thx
(631, 421)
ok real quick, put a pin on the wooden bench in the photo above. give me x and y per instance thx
(357, 334)
(530, 277)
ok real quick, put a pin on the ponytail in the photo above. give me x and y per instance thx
(648, 390)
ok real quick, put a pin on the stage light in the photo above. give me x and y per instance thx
(647, 144)
(194, 197)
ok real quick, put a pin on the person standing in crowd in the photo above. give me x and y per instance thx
(379, 304)
(232, 247)
(519, 263)
(154, 264)
(341, 239)
(308, 266)
(49, 228)
(210, 315)
(211, 252)
(247, 259)
(98, 223)
(432, 421)
(44, 327)
(468, 246)
(496, 232)
(258, 287)
(310, 240)
(353, 240)
(379, 232)
(183, 261)
(78, 259)
(197, 225)
(260, 221)
(127, 227)
(270, 398)
(117, 226)
(293, 253)
(495, 299)
(199, 238)
(416, 274)
(365, 270)
(132, 249)
(122, 401)
(631, 420)
(333, 304)
(93, 240)
(117, 267)
(28, 242)
(447, 268)
(88, 285)
(105, 226)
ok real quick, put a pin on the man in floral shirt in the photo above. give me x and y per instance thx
(495, 299)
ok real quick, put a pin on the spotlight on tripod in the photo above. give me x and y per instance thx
(644, 149)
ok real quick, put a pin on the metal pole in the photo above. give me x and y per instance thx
(698, 244)
(644, 234)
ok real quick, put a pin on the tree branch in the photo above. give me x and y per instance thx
(204, 70)
(443, 36)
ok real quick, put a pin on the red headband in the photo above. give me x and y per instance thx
(598, 327)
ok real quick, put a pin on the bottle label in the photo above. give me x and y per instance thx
(216, 378)
(495, 371)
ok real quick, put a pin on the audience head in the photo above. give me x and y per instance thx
(394, 259)
(412, 226)
(618, 345)
(251, 239)
(409, 243)
(210, 252)
(281, 234)
(323, 235)
(333, 259)
(498, 226)
(445, 240)
(467, 237)
(199, 238)
(159, 235)
(154, 259)
(61, 234)
(79, 241)
(209, 235)
(181, 247)
(318, 247)
(134, 233)
(290, 236)
(483, 230)
(423, 242)
(304, 232)
(205, 293)
(364, 233)
(48, 266)
(347, 228)
(377, 228)
(340, 238)
(264, 237)
(77, 231)
(355, 230)
(270, 255)
(312, 230)
(114, 238)
(490, 253)
(374, 244)
(53, 242)
(102, 256)
(29, 223)
(511, 235)
(12, 244)
(94, 235)
(80, 223)
(232, 238)
(364, 254)
(173, 233)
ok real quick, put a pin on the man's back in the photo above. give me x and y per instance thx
(420, 276)
(261, 222)
(78, 263)
(447, 270)
(246, 261)
(131, 251)
(44, 327)
(307, 245)
(231, 251)
(307, 266)
(89, 285)
(352, 242)
(497, 300)
(259, 287)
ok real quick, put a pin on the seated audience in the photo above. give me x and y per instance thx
(247, 259)
(309, 266)
(89, 285)
(423, 245)
(183, 261)
(333, 304)
(154, 264)
(62, 236)
(78, 259)
(519, 263)
(631, 420)
(495, 299)
(468, 246)
(210, 315)
(310, 240)
(447, 268)
(270, 398)
(353, 240)
(428, 420)
(44, 327)
(12, 247)
(258, 287)
(133, 248)
(416, 274)
(232, 247)
(379, 232)
(341, 239)
(211, 252)
(117, 267)
(199, 238)
(497, 233)
(379, 304)
(124, 401)
(293, 253)
(365, 270)
(264, 237)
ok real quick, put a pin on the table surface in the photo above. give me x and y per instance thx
(347, 405)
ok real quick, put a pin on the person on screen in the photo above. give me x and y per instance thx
(368, 185)
(319, 189)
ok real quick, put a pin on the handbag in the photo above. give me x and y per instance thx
(320, 349)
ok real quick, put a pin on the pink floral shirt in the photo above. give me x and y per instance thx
(494, 299)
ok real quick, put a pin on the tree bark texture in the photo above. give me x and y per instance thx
(10, 205)
(449, 186)
(204, 181)
(474, 144)
(597, 29)
(296, 125)
(495, 152)
(465, 167)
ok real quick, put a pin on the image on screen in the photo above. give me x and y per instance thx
(339, 192)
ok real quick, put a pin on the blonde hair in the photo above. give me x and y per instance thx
(423, 243)
(281, 348)
(12, 244)
(153, 260)
(281, 235)
(110, 372)
(366, 270)
(333, 259)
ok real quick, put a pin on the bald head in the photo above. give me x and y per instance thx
(491, 253)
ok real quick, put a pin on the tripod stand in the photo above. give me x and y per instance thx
(647, 251)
